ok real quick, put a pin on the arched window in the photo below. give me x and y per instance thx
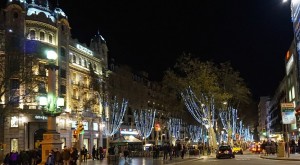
(42, 36)
(32, 34)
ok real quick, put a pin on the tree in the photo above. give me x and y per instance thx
(205, 87)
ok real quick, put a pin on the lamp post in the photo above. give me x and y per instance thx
(51, 107)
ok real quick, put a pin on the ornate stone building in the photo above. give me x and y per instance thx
(28, 28)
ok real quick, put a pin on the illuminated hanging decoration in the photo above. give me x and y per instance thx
(174, 127)
(113, 118)
(195, 133)
(144, 120)
(229, 120)
(202, 113)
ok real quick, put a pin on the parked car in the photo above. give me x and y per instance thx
(237, 149)
(225, 151)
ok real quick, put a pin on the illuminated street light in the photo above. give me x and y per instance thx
(51, 107)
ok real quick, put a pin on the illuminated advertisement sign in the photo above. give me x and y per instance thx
(84, 49)
(288, 113)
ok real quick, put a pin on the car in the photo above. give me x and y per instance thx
(225, 151)
(237, 149)
(255, 147)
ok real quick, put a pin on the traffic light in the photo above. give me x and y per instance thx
(1, 147)
(80, 128)
(75, 134)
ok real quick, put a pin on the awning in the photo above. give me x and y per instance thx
(127, 139)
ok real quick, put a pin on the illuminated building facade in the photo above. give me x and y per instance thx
(27, 29)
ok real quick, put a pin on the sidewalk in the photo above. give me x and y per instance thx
(292, 157)
(141, 161)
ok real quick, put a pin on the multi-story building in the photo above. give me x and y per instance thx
(263, 109)
(27, 29)
(275, 124)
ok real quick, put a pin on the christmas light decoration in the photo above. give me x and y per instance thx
(195, 132)
(174, 127)
(144, 120)
(113, 119)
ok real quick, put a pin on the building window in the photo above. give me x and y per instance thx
(95, 126)
(50, 38)
(32, 34)
(74, 124)
(63, 73)
(63, 89)
(14, 145)
(62, 123)
(14, 89)
(86, 125)
(86, 143)
(63, 52)
(95, 142)
(79, 60)
(74, 59)
(63, 140)
(42, 36)
(14, 121)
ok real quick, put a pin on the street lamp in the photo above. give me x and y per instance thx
(51, 107)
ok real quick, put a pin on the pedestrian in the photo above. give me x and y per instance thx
(101, 152)
(57, 157)
(84, 152)
(126, 152)
(50, 159)
(74, 156)
(183, 150)
(94, 152)
(116, 151)
(166, 151)
(66, 156)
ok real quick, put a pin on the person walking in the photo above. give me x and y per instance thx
(101, 153)
(166, 151)
(126, 152)
(183, 150)
(84, 152)
(74, 156)
(50, 158)
(66, 156)
(116, 150)
(57, 157)
(94, 152)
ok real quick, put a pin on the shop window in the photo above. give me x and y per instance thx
(86, 143)
(95, 142)
(14, 143)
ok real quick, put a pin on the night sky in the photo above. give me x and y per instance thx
(253, 35)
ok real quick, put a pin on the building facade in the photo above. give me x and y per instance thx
(27, 30)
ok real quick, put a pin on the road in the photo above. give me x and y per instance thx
(246, 159)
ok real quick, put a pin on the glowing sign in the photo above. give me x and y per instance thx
(84, 49)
